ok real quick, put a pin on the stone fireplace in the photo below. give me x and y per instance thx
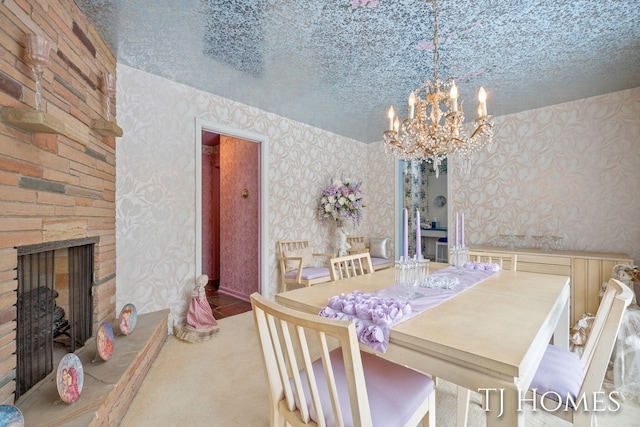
(55, 186)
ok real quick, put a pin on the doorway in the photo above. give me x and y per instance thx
(229, 213)
(420, 189)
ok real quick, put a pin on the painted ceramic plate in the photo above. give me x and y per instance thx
(70, 378)
(104, 340)
(128, 318)
(11, 416)
(440, 201)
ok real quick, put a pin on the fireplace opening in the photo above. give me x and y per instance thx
(54, 306)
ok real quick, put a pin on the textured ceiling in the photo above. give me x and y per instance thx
(339, 64)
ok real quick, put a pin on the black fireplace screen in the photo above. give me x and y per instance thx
(39, 319)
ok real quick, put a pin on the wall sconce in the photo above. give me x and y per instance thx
(37, 56)
(109, 89)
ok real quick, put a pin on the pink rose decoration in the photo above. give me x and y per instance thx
(328, 312)
(363, 311)
(335, 303)
(373, 336)
(349, 307)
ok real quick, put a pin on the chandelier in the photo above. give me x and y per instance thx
(434, 128)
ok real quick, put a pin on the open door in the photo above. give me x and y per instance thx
(231, 213)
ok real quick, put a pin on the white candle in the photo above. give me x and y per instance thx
(405, 233)
(462, 238)
(454, 97)
(482, 97)
(457, 230)
(391, 114)
(412, 103)
(418, 236)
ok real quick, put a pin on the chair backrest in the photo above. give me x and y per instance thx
(604, 331)
(294, 248)
(290, 341)
(350, 266)
(291, 245)
(506, 260)
(358, 244)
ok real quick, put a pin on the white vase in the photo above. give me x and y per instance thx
(341, 239)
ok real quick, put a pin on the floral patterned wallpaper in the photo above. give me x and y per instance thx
(571, 169)
(155, 207)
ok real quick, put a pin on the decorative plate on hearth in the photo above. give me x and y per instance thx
(70, 378)
(127, 319)
(11, 416)
(104, 340)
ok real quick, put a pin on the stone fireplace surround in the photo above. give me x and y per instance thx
(61, 186)
(54, 187)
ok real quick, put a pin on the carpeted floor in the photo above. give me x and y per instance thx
(221, 383)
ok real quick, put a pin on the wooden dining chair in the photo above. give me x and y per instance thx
(317, 374)
(565, 373)
(300, 265)
(350, 266)
(506, 260)
(574, 378)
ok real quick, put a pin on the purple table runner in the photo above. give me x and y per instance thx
(375, 313)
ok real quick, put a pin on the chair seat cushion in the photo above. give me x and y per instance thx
(375, 261)
(395, 391)
(309, 273)
(560, 371)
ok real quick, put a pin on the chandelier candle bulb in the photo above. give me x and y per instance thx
(412, 103)
(454, 97)
(396, 125)
(482, 96)
(391, 114)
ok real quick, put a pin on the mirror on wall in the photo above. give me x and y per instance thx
(422, 191)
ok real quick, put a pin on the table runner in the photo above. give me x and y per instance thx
(375, 313)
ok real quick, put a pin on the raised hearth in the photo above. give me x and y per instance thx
(109, 385)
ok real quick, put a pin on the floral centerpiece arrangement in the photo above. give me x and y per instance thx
(342, 202)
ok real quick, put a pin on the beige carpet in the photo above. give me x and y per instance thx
(221, 383)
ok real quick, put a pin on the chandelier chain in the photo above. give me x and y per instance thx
(436, 52)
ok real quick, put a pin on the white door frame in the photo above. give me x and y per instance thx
(263, 143)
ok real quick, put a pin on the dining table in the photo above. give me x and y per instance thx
(489, 338)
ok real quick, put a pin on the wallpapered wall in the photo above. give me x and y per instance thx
(155, 207)
(576, 161)
(571, 169)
